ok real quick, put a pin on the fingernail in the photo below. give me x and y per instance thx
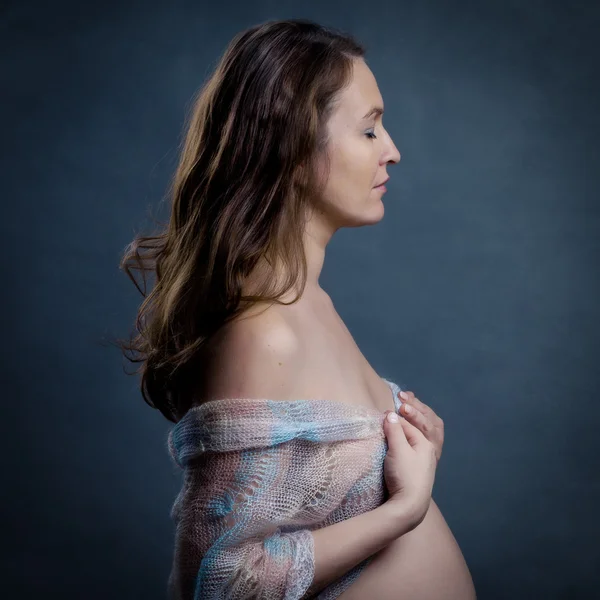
(404, 395)
(392, 417)
(407, 409)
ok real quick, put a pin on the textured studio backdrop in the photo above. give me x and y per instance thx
(479, 289)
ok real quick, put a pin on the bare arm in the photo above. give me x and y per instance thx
(362, 536)
(267, 362)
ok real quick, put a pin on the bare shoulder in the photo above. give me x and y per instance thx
(257, 357)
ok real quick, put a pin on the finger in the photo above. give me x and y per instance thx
(406, 396)
(416, 418)
(412, 399)
(408, 401)
(412, 433)
(421, 406)
(429, 413)
(396, 436)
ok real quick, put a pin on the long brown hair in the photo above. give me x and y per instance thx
(240, 194)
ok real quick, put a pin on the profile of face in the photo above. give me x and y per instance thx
(359, 150)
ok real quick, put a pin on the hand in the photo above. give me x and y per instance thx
(408, 468)
(424, 419)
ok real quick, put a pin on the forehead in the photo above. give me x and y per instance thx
(361, 94)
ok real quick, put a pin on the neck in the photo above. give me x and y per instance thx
(316, 237)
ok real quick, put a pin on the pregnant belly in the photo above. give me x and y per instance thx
(424, 564)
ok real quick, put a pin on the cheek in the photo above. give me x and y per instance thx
(356, 167)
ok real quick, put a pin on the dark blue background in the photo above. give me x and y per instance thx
(479, 289)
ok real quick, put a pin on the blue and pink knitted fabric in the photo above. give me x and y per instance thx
(258, 476)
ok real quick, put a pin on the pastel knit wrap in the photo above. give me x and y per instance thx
(259, 476)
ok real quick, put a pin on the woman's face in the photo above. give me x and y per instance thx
(359, 152)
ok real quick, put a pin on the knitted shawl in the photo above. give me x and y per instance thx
(258, 476)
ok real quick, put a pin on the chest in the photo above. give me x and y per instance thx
(335, 366)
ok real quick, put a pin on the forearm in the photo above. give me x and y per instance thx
(340, 547)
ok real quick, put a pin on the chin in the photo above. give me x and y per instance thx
(381, 210)
(374, 213)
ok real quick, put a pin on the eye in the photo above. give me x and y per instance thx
(371, 134)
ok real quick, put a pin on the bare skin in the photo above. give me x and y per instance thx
(425, 564)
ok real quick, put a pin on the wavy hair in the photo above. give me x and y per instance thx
(241, 193)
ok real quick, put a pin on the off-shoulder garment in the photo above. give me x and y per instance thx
(258, 476)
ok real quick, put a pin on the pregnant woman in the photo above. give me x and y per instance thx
(295, 483)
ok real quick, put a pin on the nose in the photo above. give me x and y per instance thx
(391, 154)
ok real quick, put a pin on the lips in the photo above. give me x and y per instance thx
(383, 182)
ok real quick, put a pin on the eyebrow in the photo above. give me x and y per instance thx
(376, 110)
